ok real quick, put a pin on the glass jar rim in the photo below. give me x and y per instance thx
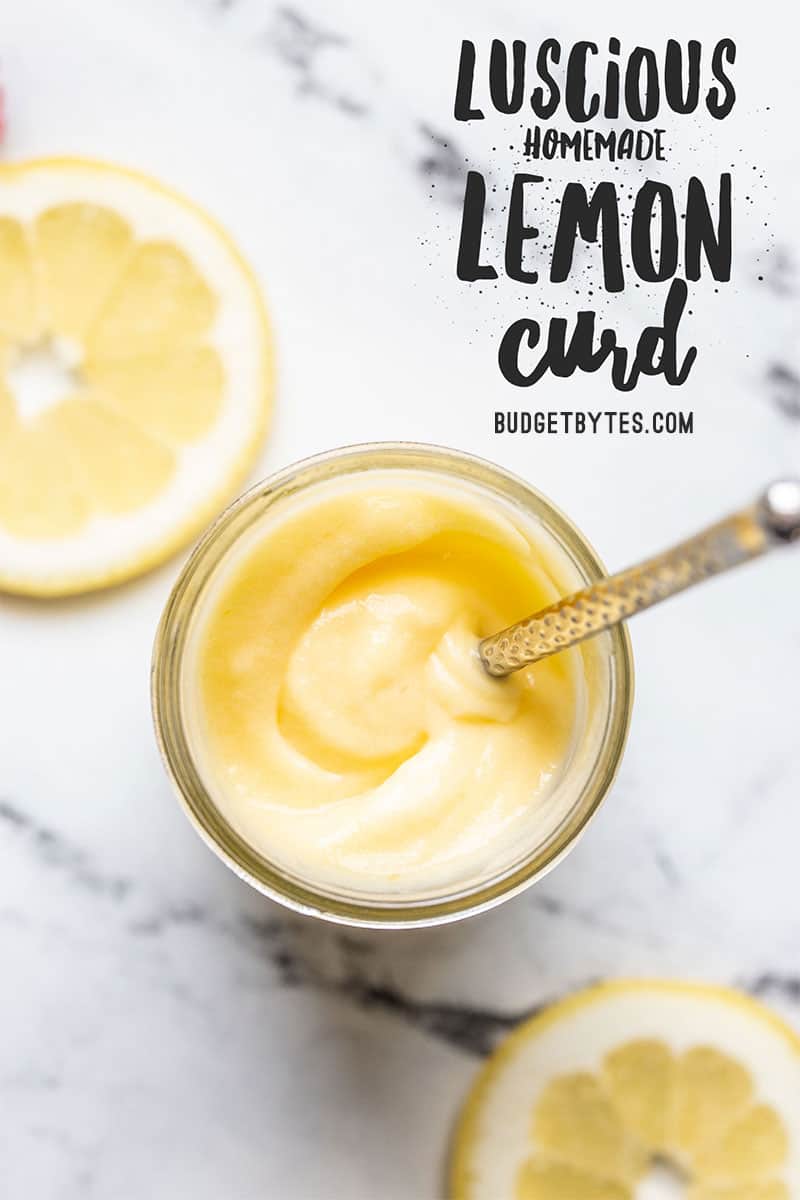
(268, 877)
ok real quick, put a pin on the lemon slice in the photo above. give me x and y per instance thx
(636, 1091)
(135, 373)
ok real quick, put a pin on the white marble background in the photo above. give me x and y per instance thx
(166, 1033)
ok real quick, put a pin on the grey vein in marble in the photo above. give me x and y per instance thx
(295, 950)
(284, 940)
(780, 274)
(472, 1029)
(784, 385)
(54, 850)
(774, 985)
(327, 66)
(442, 164)
(298, 41)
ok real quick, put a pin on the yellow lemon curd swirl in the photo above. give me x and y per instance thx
(348, 729)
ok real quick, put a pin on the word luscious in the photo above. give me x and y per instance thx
(661, 247)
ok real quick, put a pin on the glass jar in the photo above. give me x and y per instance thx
(587, 777)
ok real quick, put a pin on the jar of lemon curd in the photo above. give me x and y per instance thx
(324, 715)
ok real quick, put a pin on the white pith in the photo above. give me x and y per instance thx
(582, 1038)
(106, 545)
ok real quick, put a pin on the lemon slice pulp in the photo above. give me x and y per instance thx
(636, 1091)
(135, 373)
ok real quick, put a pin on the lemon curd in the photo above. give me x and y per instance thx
(337, 709)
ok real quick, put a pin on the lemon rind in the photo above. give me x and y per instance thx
(69, 583)
(466, 1131)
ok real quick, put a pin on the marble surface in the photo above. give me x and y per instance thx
(165, 1032)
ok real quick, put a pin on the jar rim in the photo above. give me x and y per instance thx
(268, 877)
